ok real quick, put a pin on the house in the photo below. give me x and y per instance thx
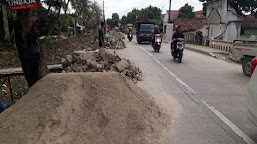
(174, 15)
(193, 28)
(224, 25)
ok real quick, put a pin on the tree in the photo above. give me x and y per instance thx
(27, 41)
(146, 14)
(95, 13)
(115, 16)
(241, 6)
(114, 20)
(186, 11)
(58, 6)
(64, 16)
(90, 11)
(5, 23)
(124, 20)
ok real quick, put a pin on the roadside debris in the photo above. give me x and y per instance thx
(91, 108)
(113, 40)
(101, 61)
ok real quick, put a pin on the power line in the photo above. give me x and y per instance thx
(161, 3)
(165, 4)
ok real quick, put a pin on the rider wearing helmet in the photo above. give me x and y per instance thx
(177, 34)
(156, 31)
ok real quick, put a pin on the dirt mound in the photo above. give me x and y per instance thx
(91, 108)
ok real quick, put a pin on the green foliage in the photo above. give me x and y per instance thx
(124, 20)
(115, 16)
(241, 6)
(95, 16)
(49, 41)
(113, 22)
(67, 23)
(186, 11)
(149, 13)
(90, 11)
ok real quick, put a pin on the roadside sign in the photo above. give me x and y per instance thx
(21, 4)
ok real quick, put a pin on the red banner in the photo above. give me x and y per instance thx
(20, 7)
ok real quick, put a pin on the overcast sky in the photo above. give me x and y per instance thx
(122, 7)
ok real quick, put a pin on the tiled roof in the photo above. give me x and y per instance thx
(248, 18)
(190, 24)
(199, 14)
(174, 14)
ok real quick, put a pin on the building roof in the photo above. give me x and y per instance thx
(174, 14)
(249, 18)
(199, 14)
(190, 24)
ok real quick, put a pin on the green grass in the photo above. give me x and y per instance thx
(7, 46)
(49, 41)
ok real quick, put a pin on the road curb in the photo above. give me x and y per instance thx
(201, 51)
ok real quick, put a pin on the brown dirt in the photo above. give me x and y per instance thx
(90, 108)
(53, 51)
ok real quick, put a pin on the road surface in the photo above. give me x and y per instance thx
(211, 94)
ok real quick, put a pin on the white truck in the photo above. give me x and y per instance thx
(245, 51)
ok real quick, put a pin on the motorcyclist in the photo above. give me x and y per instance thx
(130, 31)
(177, 34)
(156, 31)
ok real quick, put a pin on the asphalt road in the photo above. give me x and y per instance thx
(211, 94)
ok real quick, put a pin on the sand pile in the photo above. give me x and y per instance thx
(114, 40)
(89, 108)
(103, 61)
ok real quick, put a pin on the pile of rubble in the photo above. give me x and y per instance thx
(103, 61)
(113, 40)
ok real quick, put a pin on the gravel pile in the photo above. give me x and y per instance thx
(102, 61)
(114, 40)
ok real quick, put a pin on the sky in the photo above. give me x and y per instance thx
(122, 7)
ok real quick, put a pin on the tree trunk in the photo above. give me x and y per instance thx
(56, 22)
(27, 41)
(64, 17)
(5, 23)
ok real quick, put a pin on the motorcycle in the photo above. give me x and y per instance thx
(130, 36)
(157, 43)
(178, 52)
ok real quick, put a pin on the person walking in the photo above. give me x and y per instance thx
(101, 35)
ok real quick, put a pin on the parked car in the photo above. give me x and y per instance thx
(245, 51)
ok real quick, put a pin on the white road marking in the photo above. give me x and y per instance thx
(172, 74)
(240, 133)
(247, 139)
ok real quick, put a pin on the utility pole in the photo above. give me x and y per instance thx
(103, 12)
(169, 20)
